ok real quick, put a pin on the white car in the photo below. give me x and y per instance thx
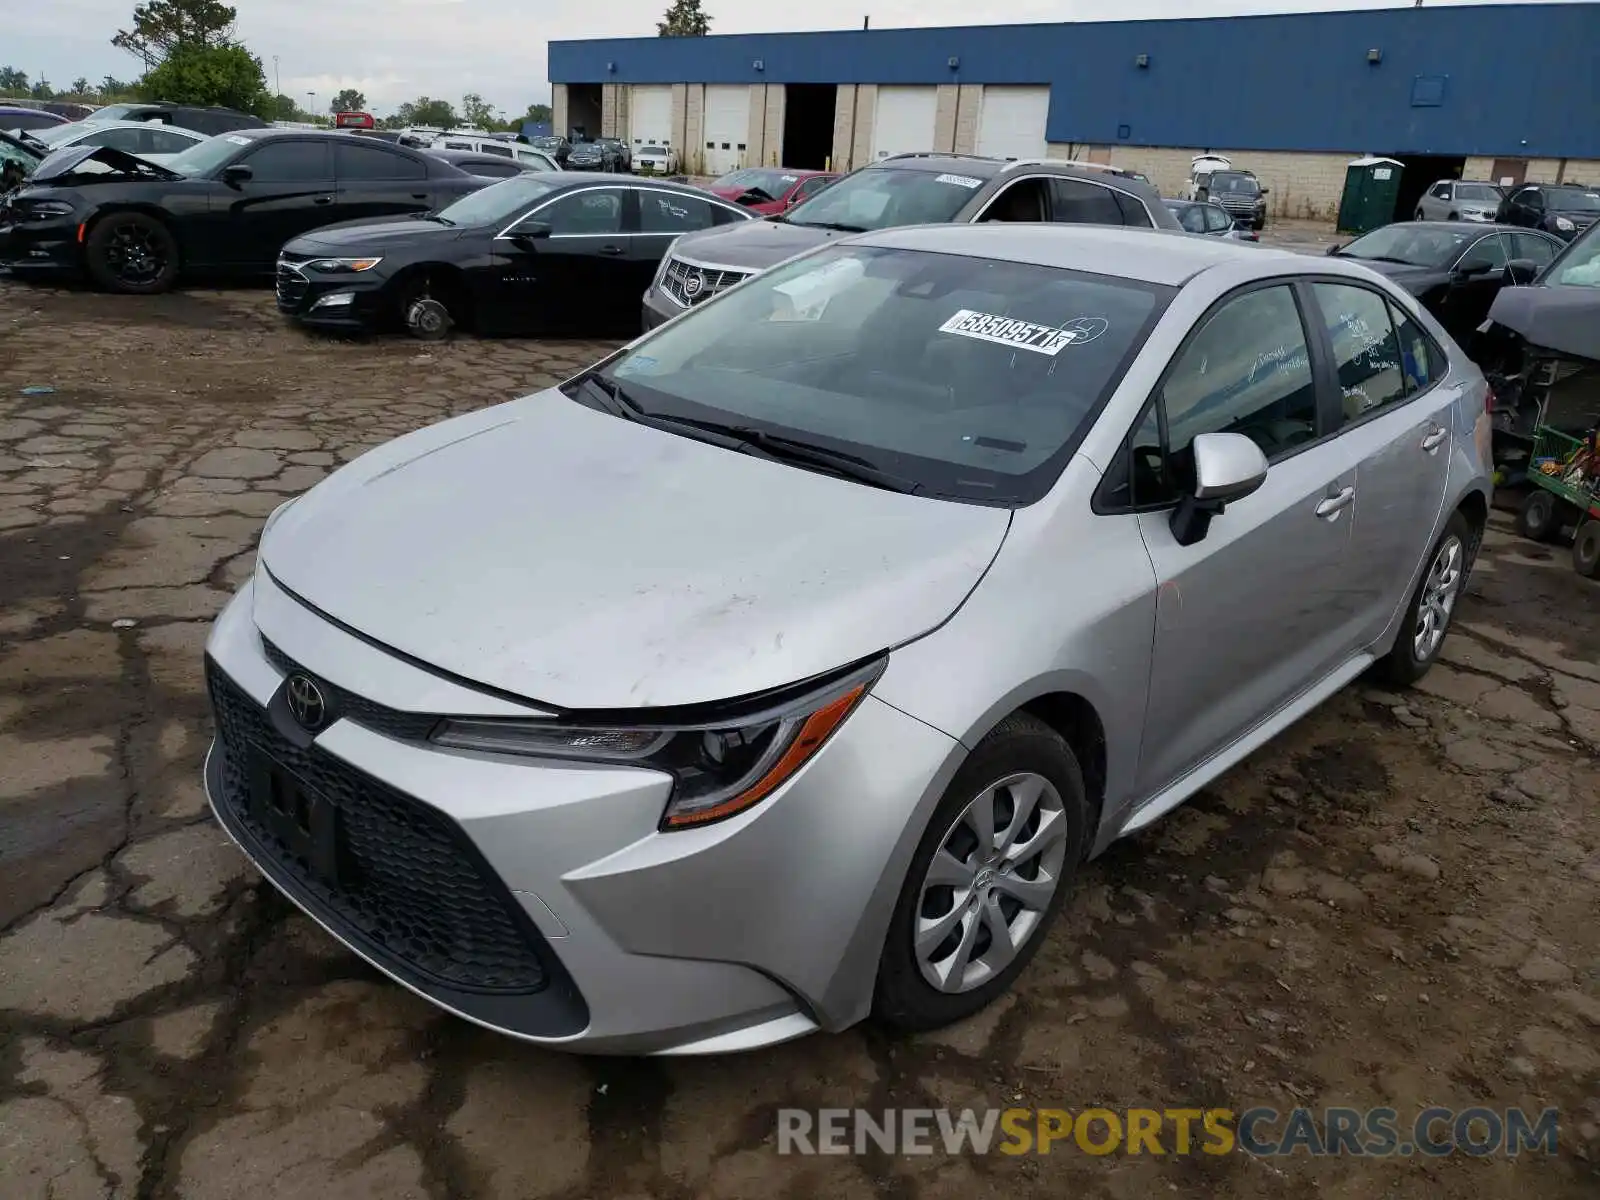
(499, 147)
(653, 159)
(150, 140)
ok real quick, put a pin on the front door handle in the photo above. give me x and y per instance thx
(1336, 503)
(323, 200)
(1435, 438)
(611, 250)
(419, 195)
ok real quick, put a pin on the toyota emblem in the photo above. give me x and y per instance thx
(693, 285)
(306, 704)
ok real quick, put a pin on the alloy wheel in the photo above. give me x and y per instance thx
(1440, 591)
(990, 883)
(135, 255)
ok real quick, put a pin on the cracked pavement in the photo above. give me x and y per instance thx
(1393, 904)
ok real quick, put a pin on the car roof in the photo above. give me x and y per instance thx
(1161, 256)
(91, 123)
(576, 178)
(1459, 227)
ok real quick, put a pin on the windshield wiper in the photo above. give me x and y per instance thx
(748, 438)
(1388, 258)
(836, 226)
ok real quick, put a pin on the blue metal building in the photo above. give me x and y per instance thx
(1494, 80)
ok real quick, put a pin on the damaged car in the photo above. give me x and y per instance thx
(1540, 351)
(222, 207)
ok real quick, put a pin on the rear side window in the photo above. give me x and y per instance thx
(497, 151)
(359, 161)
(1077, 202)
(489, 166)
(1365, 350)
(1133, 211)
(668, 212)
(1423, 361)
(1217, 221)
(290, 162)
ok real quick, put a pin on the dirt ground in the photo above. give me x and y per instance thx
(1395, 904)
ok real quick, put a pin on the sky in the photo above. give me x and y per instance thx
(397, 50)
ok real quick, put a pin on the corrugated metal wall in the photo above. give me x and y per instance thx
(1450, 80)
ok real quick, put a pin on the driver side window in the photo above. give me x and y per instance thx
(585, 213)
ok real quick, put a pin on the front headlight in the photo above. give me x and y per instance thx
(343, 266)
(719, 768)
(661, 267)
(1564, 225)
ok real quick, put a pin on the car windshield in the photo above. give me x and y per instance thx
(113, 112)
(1580, 265)
(1191, 216)
(1233, 181)
(1418, 245)
(969, 378)
(773, 183)
(881, 197)
(548, 143)
(1574, 199)
(203, 158)
(1483, 193)
(498, 202)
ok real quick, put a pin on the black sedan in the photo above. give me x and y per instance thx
(1455, 268)
(487, 166)
(604, 155)
(553, 252)
(224, 206)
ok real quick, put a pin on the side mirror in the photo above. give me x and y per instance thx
(1227, 467)
(1333, 249)
(1264, 191)
(1473, 269)
(1520, 272)
(237, 173)
(528, 234)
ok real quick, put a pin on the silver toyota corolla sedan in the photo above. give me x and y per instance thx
(786, 667)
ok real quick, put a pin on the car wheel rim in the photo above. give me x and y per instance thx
(1439, 592)
(134, 255)
(990, 883)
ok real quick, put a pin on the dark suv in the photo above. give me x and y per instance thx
(907, 189)
(207, 119)
(1564, 209)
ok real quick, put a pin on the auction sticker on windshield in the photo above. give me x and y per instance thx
(1024, 335)
(965, 181)
(237, 140)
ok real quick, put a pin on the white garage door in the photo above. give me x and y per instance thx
(1011, 122)
(650, 116)
(727, 127)
(904, 121)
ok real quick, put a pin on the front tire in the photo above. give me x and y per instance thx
(133, 254)
(1432, 606)
(1419, 215)
(993, 868)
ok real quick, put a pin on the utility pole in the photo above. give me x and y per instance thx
(277, 80)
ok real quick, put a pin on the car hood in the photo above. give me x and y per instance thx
(752, 245)
(583, 561)
(68, 163)
(1562, 319)
(349, 235)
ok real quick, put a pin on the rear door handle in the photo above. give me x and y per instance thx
(1435, 438)
(612, 250)
(1336, 504)
(419, 195)
(323, 200)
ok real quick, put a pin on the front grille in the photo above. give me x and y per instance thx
(411, 890)
(689, 285)
(391, 722)
(291, 286)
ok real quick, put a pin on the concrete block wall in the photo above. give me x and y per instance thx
(969, 107)
(1551, 170)
(558, 109)
(1301, 185)
(866, 114)
(608, 109)
(854, 108)
(844, 115)
(777, 101)
(694, 119)
(944, 117)
(755, 125)
(680, 119)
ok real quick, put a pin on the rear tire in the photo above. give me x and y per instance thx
(1586, 550)
(1540, 517)
(1021, 755)
(1432, 607)
(1419, 216)
(133, 254)
(1455, 216)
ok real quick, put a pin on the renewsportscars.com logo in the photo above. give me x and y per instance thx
(1262, 1132)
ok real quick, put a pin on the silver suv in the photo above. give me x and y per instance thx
(787, 665)
(907, 189)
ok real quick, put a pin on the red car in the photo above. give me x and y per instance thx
(770, 190)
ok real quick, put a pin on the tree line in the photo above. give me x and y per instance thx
(188, 54)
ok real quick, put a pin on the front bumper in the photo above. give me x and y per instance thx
(657, 310)
(314, 299)
(538, 898)
(46, 247)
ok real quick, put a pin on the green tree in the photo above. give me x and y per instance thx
(349, 100)
(80, 86)
(426, 111)
(226, 75)
(162, 27)
(13, 80)
(538, 113)
(111, 88)
(42, 90)
(685, 18)
(476, 113)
